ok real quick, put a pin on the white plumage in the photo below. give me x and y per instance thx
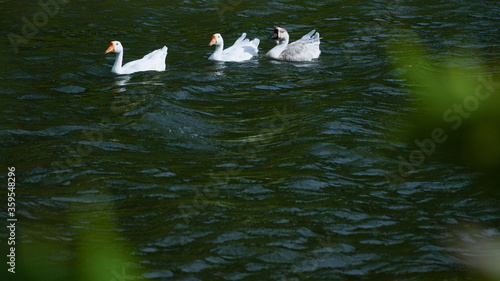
(304, 49)
(243, 49)
(153, 61)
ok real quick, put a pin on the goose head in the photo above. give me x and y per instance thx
(279, 35)
(216, 40)
(115, 47)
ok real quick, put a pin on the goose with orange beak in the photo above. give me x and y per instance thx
(154, 61)
(242, 50)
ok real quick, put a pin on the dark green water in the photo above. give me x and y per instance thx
(261, 170)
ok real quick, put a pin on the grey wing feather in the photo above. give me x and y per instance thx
(306, 48)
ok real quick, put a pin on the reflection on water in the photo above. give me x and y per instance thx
(122, 80)
(262, 170)
(218, 68)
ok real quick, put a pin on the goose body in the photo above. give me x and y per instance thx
(153, 61)
(242, 50)
(304, 49)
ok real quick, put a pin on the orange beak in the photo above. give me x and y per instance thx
(214, 41)
(111, 48)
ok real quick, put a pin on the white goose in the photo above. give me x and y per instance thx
(304, 49)
(152, 61)
(243, 49)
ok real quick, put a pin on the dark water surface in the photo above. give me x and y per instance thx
(261, 170)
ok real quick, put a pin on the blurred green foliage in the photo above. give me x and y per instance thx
(456, 94)
(98, 252)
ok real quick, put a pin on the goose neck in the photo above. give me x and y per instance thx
(117, 67)
(217, 55)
